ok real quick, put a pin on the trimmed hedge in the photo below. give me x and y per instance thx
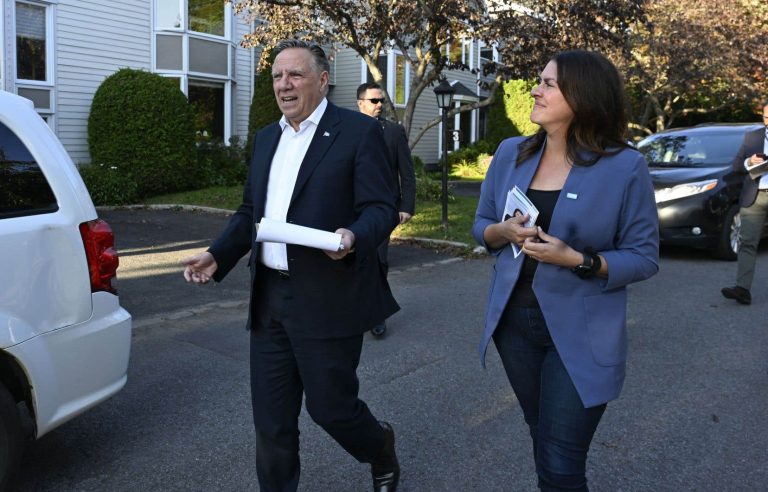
(264, 109)
(141, 124)
(509, 115)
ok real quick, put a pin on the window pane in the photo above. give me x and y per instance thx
(381, 63)
(168, 14)
(206, 16)
(207, 56)
(41, 98)
(30, 42)
(400, 80)
(207, 101)
(454, 55)
(169, 52)
(23, 187)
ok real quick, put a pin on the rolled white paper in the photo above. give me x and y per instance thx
(274, 231)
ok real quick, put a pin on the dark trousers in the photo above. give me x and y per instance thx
(285, 367)
(560, 427)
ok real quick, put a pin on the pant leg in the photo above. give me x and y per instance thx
(328, 369)
(752, 220)
(522, 359)
(384, 253)
(276, 391)
(565, 429)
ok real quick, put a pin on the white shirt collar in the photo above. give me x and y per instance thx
(313, 118)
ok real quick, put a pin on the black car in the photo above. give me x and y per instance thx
(697, 191)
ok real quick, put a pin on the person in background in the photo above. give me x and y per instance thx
(754, 206)
(319, 166)
(557, 313)
(370, 101)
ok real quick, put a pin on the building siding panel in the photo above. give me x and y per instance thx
(121, 31)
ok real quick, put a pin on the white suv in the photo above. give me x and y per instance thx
(64, 339)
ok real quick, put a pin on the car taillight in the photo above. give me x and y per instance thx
(99, 245)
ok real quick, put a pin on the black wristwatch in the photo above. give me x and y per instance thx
(590, 264)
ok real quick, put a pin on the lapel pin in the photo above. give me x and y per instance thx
(326, 134)
(572, 196)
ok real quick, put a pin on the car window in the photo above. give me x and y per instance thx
(23, 187)
(691, 150)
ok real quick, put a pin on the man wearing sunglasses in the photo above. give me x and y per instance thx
(370, 101)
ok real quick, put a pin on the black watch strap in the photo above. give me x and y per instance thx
(590, 266)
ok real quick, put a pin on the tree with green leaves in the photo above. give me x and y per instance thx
(527, 33)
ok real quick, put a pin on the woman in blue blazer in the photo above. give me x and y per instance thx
(557, 312)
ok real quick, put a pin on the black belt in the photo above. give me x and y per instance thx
(280, 273)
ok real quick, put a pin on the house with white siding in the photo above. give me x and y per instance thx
(57, 53)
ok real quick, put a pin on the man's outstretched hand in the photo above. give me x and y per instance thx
(199, 268)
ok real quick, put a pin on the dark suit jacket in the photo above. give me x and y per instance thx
(402, 165)
(343, 181)
(752, 144)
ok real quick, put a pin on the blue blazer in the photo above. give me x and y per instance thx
(609, 206)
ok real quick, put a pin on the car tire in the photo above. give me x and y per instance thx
(11, 437)
(730, 235)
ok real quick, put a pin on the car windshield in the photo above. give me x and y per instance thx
(691, 150)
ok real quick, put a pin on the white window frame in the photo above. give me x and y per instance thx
(184, 9)
(50, 66)
(184, 75)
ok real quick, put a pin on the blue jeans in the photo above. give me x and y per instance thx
(560, 426)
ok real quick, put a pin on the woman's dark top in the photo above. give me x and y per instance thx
(522, 295)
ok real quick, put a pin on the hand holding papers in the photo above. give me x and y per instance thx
(758, 169)
(519, 204)
(273, 231)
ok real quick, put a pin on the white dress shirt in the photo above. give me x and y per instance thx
(763, 183)
(282, 179)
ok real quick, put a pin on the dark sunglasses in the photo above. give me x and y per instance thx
(374, 100)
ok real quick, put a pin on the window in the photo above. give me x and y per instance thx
(168, 14)
(401, 80)
(198, 16)
(192, 44)
(23, 187)
(31, 46)
(207, 101)
(206, 16)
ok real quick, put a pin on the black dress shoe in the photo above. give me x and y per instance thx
(379, 330)
(741, 294)
(385, 469)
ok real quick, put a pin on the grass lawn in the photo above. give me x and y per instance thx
(426, 222)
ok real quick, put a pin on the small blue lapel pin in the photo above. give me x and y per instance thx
(572, 196)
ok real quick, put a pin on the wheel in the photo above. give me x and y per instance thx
(11, 441)
(730, 235)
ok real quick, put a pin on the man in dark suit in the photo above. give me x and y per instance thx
(370, 101)
(320, 166)
(754, 206)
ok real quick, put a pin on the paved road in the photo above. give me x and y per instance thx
(692, 415)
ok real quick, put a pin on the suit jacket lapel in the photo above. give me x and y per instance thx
(325, 134)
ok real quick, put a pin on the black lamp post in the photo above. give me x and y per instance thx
(444, 93)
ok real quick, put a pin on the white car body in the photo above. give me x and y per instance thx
(69, 346)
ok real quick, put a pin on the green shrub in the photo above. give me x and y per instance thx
(428, 189)
(264, 109)
(220, 165)
(109, 185)
(142, 123)
(509, 115)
